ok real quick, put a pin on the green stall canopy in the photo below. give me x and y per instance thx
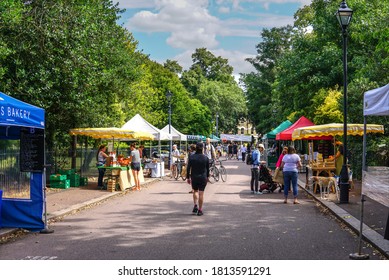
(272, 134)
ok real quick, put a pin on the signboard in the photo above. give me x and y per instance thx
(32, 149)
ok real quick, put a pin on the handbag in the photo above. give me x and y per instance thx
(279, 176)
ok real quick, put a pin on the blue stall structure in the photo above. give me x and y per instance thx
(25, 123)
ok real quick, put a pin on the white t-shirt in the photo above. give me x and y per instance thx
(175, 152)
(291, 162)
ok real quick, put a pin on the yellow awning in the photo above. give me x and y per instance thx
(111, 132)
(334, 129)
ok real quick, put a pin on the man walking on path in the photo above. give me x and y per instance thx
(197, 173)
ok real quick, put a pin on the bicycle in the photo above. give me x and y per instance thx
(222, 171)
(214, 173)
(179, 170)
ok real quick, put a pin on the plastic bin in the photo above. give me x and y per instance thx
(64, 184)
(74, 180)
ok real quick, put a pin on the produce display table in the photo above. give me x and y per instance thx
(123, 175)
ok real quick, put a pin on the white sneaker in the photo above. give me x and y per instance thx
(259, 193)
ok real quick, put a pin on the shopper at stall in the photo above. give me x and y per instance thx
(198, 176)
(101, 158)
(135, 165)
(290, 164)
(278, 174)
(338, 157)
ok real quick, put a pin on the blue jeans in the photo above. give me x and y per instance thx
(290, 177)
(254, 179)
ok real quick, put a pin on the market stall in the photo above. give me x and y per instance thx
(322, 165)
(125, 177)
(139, 124)
(24, 123)
(271, 145)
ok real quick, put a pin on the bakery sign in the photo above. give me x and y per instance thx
(18, 113)
(13, 113)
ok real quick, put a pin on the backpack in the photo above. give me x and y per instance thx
(249, 159)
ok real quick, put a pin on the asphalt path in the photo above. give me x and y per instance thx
(156, 223)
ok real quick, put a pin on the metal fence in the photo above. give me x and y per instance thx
(13, 183)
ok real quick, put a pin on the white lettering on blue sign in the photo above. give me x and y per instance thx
(18, 113)
(15, 112)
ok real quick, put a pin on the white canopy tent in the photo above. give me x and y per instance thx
(176, 135)
(139, 124)
(375, 180)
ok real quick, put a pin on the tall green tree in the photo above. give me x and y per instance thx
(210, 80)
(72, 59)
(264, 110)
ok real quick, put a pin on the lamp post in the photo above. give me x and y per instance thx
(169, 99)
(217, 124)
(344, 15)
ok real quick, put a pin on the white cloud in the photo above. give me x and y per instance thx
(190, 25)
(188, 22)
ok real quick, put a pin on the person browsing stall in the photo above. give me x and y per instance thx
(101, 158)
(290, 164)
(135, 165)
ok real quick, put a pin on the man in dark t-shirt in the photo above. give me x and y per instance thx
(197, 173)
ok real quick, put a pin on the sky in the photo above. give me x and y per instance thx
(173, 29)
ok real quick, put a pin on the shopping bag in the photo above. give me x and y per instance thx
(279, 176)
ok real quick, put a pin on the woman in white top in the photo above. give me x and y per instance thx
(290, 164)
(101, 157)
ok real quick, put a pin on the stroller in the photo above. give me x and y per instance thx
(267, 178)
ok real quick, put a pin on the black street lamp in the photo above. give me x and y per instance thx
(217, 124)
(169, 99)
(344, 15)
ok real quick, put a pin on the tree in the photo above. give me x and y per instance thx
(210, 80)
(263, 109)
(73, 60)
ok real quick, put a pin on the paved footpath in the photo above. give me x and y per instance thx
(156, 224)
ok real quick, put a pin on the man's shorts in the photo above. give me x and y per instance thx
(199, 184)
(135, 166)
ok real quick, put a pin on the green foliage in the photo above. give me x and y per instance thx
(72, 59)
(327, 104)
(210, 80)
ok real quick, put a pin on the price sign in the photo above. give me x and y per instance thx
(32, 149)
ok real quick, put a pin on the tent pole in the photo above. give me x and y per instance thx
(46, 229)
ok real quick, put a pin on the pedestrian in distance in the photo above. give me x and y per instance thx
(197, 173)
(209, 150)
(256, 162)
(290, 164)
(135, 165)
(244, 151)
(101, 158)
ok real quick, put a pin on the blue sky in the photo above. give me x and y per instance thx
(173, 29)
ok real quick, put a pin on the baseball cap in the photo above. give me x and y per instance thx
(261, 146)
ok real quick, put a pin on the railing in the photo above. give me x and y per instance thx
(15, 184)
